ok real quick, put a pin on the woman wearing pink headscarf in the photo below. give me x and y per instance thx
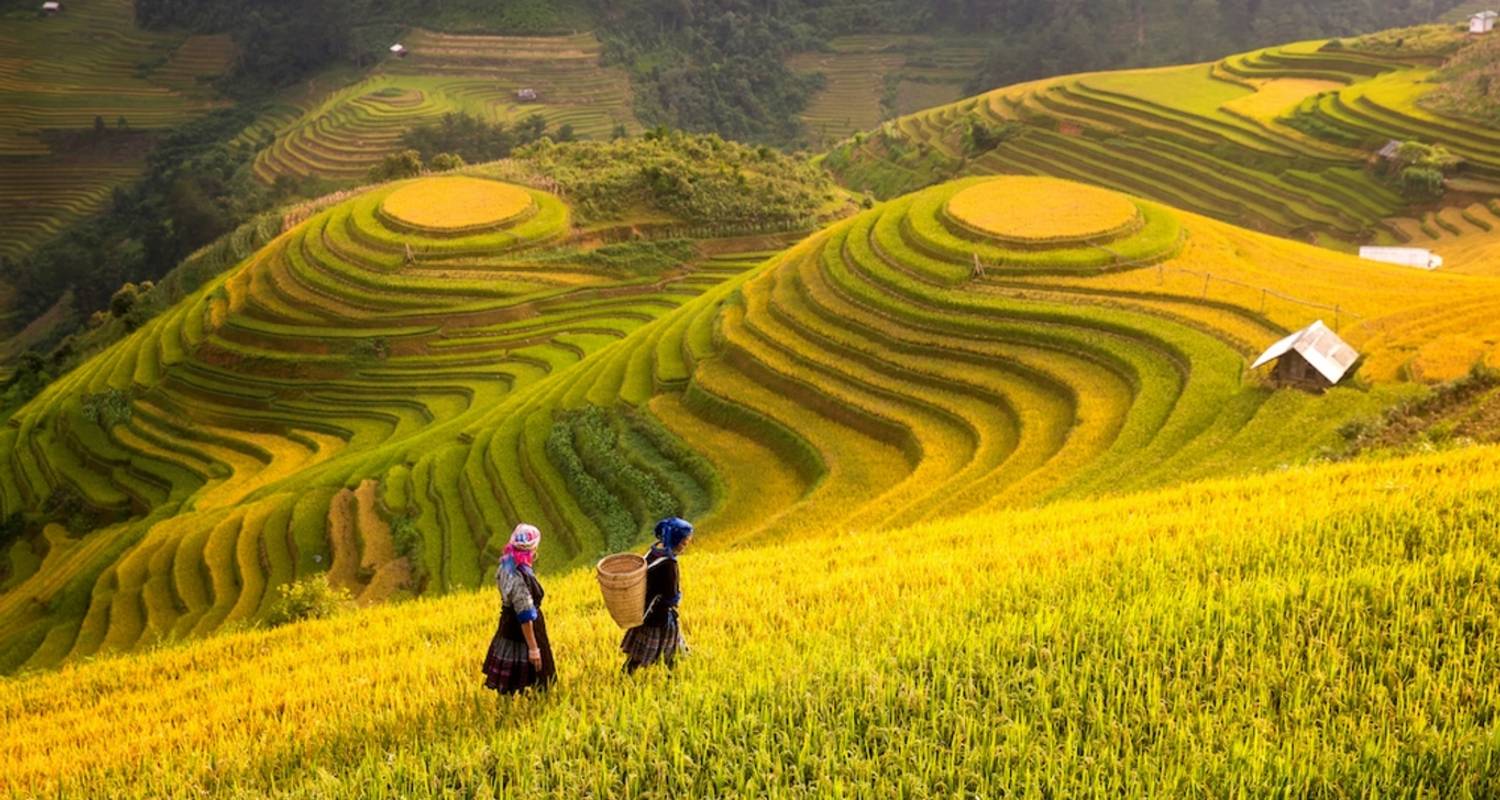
(520, 656)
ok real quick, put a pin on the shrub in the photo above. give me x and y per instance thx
(444, 162)
(310, 598)
(1421, 182)
(108, 408)
(124, 299)
(405, 164)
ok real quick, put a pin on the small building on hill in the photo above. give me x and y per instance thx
(1390, 153)
(526, 95)
(51, 7)
(1483, 22)
(1418, 257)
(1314, 358)
(398, 50)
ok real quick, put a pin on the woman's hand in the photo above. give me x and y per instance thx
(533, 653)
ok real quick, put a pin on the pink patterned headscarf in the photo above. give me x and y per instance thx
(523, 543)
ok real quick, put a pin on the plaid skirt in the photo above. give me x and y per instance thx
(507, 670)
(647, 644)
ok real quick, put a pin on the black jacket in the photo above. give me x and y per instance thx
(663, 591)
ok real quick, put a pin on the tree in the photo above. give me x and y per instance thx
(405, 164)
(444, 162)
(124, 299)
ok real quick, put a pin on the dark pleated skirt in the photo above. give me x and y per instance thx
(648, 644)
(508, 671)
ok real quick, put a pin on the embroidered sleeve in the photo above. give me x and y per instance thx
(513, 588)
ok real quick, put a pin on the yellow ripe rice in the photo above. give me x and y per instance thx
(1041, 209)
(456, 203)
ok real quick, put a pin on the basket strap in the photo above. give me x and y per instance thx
(652, 604)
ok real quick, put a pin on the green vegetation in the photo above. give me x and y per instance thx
(702, 179)
(309, 598)
(1279, 140)
(1469, 85)
(86, 96)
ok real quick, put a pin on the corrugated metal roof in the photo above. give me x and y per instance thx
(1487, 15)
(1391, 149)
(1320, 346)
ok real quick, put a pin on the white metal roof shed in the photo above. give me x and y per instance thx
(1319, 346)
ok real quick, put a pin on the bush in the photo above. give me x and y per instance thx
(108, 408)
(124, 299)
(405, 164)
(309, 598)
(1422, 182)
(444, 162)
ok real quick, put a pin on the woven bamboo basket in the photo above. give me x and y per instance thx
(622, 579)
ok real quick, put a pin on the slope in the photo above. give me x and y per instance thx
(341, 135)
(57, 76)
(1280, 140)
(1253, 636)
(168, 485)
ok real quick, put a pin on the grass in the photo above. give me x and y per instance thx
(1282, 620)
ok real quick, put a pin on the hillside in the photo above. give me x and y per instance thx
(867, 79)
(1281, 140)
(339, 403)
(1323, 630)
(60, 78)
(341, 135)
(332, 357)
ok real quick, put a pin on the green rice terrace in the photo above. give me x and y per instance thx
(870, 78)
(379, 389)
(1283, 140)
(341, 135)
(60, 74)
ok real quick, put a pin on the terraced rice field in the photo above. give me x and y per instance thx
(1225, 140)
(364, 345)
(368, 368)
(341, 135)
(868, 78)
(1268, 631)
(56, 75)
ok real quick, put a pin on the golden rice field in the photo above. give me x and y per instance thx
(456, 203)
(866, 377)
(1322, 630)
(1041, 209)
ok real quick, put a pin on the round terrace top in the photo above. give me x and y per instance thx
(1041, 210)
(456, 203)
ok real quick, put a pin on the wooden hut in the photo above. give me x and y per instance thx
(398, 50)
(51, 7)
(1314, 358)
(1483, 22)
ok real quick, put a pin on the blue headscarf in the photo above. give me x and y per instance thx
(672, 532)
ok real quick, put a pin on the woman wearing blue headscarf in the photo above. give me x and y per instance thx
(658, 638)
